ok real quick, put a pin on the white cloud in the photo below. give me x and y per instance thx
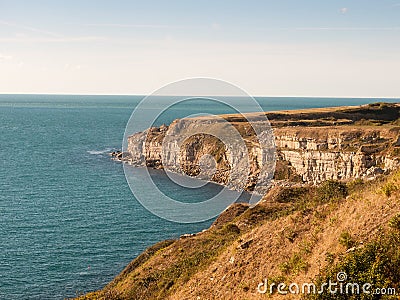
(344, 10)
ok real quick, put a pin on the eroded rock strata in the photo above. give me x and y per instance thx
(311, 146)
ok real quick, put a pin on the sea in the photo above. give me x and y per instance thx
(69, 222)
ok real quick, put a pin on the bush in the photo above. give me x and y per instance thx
(329, 257)
(230, 228)
(388, 189)
(394, 222)
(291, 194)
(331, 190)
(294, 265)
(346, 240)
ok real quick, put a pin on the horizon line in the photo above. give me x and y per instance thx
(255, 96)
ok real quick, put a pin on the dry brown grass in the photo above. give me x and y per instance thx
(315, 245)
(288, 242)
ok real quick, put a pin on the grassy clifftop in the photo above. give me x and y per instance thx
(372, 114)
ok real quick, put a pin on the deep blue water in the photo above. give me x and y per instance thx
(68, 221)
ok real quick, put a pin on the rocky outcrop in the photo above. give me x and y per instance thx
(315, 151)
(205, 148)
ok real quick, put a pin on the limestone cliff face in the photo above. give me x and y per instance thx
(314, 152)
(183, 147)
(324, 153)
(145, 148)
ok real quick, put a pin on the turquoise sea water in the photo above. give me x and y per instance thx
(68, 221)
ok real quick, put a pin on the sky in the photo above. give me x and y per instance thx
(268, 48)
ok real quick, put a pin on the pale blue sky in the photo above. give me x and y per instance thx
(298, 48)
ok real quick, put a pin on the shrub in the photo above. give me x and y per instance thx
(329, 257)
(291, 194)
(394, 222)
(294, 265)
(388, 189)
(331, 190)
(346, 240)
(231, 228)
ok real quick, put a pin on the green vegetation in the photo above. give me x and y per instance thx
(394, 222)
(294, 265)
(298, 261)
(331, 190)
(230, 228)
(303, 198)
(262, 213)
(329, 257)
(292, 194)
(388, 189)
(391, 186)
(190, 261)
(377, 263)
(346, 240)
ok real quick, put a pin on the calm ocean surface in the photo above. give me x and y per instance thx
(68, 220)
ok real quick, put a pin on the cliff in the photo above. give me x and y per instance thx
(311, 145)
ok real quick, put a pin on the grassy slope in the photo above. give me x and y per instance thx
(293, 235)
